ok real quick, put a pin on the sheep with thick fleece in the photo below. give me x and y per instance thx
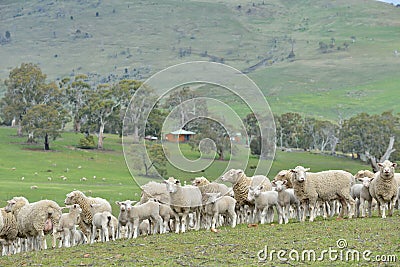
(286, 198)
(67, 225)
(78, 197)
(35, 220)
(206, 186)
(184, 199)
(8, 232)
(264, 203)
(384, 188)
(324, 186)
(154, 190)
(219, 205)
(284, 175)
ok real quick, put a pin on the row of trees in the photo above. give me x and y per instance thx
(42, 109)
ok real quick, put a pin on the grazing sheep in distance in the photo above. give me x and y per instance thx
(184, 199)
(77, 197)
(219, 205)
(384, 188)
(324, 186)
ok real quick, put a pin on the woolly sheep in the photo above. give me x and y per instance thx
(264, 203)
(8, 231)
(184, 199)
(286, 198)
(284, 175)
(166, 214)
(325, 186)
(384, 188)
(138, 213)
(206, 186)
(355, 191)
(34, 220)
(219, 205)
(154, 190)
(102, 221)
(67, 225)
(78, 197)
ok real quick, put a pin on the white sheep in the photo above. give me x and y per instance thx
(286, 199)
(384, 188)
(138, 213)
(219, 205)
(322, 186)
(264, 203)
(78, 197)
(123, 220)
(206, 186)
(154, 190)
(184, 199)
(8, 232)
(34, 220)
(241, 184)
(355, 191)
(102, 221)
(67, 225)
(166, 214)
(365, 195)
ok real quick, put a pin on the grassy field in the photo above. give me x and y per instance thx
(66, 38)
(237, 246)
(240, 246)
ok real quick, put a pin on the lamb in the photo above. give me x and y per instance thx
(286, 198)
(264, 203)
(123, 219)
(34, 220)
(184, 199)
(384, 188)
(154, 190)
(77, 197)
(166, 214)
(365, 196)
(219, 205)
(102, 221)
(138, 213)
(355, 191)
(8, 232)
(67, 225)
(323, 186)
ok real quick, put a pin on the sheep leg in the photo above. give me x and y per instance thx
(135, 228)
(198, 220)
(94, 230)
(233, 216)
(361, 207)
(391, 205)
(185, 215)
(264, 214)
(214, 220)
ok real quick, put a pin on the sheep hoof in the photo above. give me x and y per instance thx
(339, 219)
(214, 230)
(250, 225)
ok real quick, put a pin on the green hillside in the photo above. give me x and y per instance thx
(359, 72)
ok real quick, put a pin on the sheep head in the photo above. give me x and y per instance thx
(386, 169)
(299, 173)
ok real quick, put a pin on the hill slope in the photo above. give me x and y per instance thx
(142, 37)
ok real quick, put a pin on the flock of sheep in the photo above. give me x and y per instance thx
(170, 206)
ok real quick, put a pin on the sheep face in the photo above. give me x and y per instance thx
(232, 176)
(10, 204)
(70, 199)
(280, 185)
(75, 208)
(254, 192)
(212, 197)
(366, 181)
(299, 173)
(387, 169)
(172, 186)
(200, 181)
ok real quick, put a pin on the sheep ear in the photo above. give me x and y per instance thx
(261, 187)
(239, 171)
(273, 182)
(292, 171)
(360, 179)
(380, 164)
(177, 182)
(118, 203)
(307, 169)
(394, 165)
(284, 182)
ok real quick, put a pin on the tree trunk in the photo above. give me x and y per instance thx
(19, 128)
(46, 142)
(136, 135)
(77, 125)
(101, 136)
(386, 156)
